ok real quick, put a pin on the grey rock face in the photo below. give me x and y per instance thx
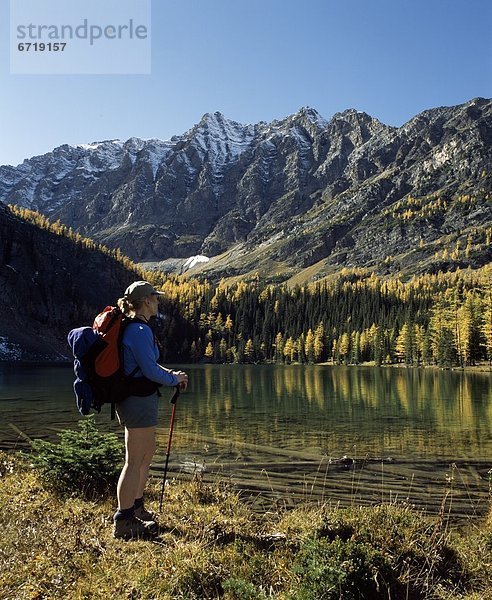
(303, 189)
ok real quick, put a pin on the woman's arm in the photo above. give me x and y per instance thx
(139, 340)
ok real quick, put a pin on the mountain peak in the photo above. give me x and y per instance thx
(212, 117)
(221, 136)
(312, 115)
(351, 114)
(214, 120)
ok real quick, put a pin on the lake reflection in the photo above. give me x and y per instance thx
(401, 411)
(282, 430)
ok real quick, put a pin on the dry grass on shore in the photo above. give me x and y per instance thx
(212, 546)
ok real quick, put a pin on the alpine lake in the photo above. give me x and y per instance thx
(287, 434)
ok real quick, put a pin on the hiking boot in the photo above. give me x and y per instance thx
(145, 515)
(133, 528)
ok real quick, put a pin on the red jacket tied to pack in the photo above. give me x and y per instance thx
(108, 325)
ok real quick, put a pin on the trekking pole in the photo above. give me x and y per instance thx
(171, 427)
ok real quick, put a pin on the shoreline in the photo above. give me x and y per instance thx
(480, 368)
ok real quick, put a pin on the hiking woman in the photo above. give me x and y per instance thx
(139, 413)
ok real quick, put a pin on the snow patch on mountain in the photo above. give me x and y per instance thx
(193, 261)
(8, 350)
(312, 115)
(97, 145)
(106, 155)
(222, 139)
(304, 144)
(220, 142)
(155, 152)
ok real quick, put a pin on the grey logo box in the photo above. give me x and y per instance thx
(71, 37)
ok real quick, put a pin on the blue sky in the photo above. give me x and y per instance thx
(258, 60)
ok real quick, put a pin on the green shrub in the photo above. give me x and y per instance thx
(329, 570)
(238, 589)
(85, 462)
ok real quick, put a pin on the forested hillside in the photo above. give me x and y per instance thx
(442, 319)
(354, 316)
(50, 283)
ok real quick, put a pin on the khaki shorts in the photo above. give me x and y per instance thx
(138, 411)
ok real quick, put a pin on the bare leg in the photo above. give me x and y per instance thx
(140, 447)
(145, 466)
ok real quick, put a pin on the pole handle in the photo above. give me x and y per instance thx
(177, 389)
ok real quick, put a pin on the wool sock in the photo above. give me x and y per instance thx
(139, 502)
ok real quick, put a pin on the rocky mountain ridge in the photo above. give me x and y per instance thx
(298, 193)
